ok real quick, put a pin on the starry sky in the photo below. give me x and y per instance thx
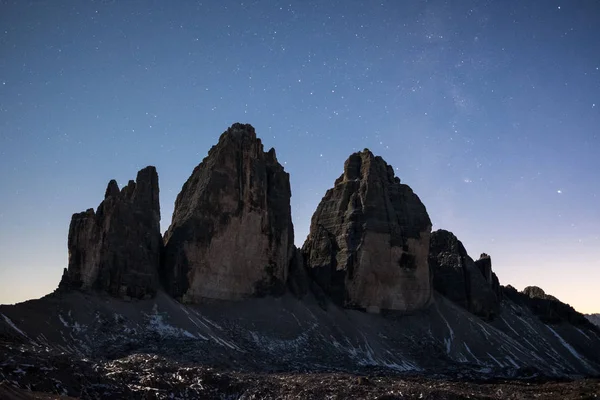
(489, 110)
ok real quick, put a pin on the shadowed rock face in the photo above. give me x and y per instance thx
(231, 236)
(484, 264)
(459, 278)
(369, 240)
(117, 248)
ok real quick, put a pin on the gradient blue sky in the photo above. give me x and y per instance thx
(489, 110)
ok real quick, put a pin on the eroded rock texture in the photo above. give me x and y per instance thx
(369, 240)
(459, 278)
(117, 249)
(231, 236)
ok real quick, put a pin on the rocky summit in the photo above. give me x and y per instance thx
(117, 248)
(231, 235)
(229, 308)
(459, 278)
(369, 239)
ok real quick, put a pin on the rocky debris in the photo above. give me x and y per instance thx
(117, 249)
(83, 345)
(43, 375)
(594, 319)
(369, 239)
(548, 308)
(231, 235)
(459, 278)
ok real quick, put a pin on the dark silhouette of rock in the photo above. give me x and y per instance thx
(298, 279)
(594, 319)
(369, 239)
(117, 248)
(232, 235)
(547, 308)
(459, 278)
(484, 264)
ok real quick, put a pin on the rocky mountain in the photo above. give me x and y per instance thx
(229, 307)
(547, 308)
(231, 236)
(470, 284)
(117, 249)
(594, 319)
(369, 238)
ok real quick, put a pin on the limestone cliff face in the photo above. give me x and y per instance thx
(369, 240)
(231, 236)
(455, 275)
(117, 248)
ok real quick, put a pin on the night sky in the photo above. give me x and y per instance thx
(489, 110)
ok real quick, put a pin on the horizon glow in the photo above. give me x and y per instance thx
(489, 112)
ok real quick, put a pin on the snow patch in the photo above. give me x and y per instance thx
(157, 324)
(447, 341)
(511, 328)
(471, 353)
(485, 331)
(75, 326)
(571, 349)
(583, 333)
(366, 356)
(12, 325)
(510, 360)
(494, 358)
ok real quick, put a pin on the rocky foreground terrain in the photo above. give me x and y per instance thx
(374, 305)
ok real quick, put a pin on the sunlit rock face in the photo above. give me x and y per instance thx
(231, 236)
(117, 249)
(455, 275)
(369, 240)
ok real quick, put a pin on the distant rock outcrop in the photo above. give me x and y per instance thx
(117, 249)
(369, 239)
(455, 275)
(594, 319)
(231, 235)
(548, 308)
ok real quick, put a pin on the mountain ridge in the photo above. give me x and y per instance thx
(372, 291)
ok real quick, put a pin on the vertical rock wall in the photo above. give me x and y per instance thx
(369, 239)
(231, 235)
(117, 249)
(459, 278)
